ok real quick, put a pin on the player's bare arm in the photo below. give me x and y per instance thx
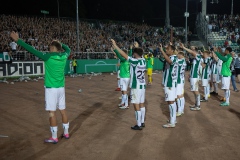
(114, 45)
(166, 57)
(188, 50)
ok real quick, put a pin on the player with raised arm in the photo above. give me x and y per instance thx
(180, 83)
(54, 82)
(137, 82)
(124, 78)
(206, 73)
(214, 74)
(170, 83)
(194, 75)
(225, 72)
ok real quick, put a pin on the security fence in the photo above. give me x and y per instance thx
(26, 56)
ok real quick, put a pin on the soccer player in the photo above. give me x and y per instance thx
(137, 82)
(55, 62)
(180, 83)
(194, 75)
(150, 63)
(226, 73)
(124, 78)
(206, 75)
(170, 83)
(214, 74)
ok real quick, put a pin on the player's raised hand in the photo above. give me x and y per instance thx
(14, 36)
(113, 43)
(135, 44)
(160, 45)
(181, 45)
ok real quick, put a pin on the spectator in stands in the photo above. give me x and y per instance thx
(13, 46)
(93, 35)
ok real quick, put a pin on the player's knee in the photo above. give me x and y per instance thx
(51, 114)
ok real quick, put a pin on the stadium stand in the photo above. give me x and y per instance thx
(224, 30)
(94, 35)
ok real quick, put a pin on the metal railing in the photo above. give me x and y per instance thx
(26, 56)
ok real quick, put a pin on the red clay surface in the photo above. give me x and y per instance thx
(101, 131)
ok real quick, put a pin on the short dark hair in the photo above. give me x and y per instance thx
(229, 49)
(181, 53)
(139, 51)
(57, 45)
(172, 47)
(206, 52)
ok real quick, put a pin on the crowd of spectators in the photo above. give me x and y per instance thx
(225, 25)
(94, 36)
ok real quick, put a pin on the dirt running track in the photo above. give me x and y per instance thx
(101, 131)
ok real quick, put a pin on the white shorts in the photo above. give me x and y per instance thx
(214, 78)
(226, 82)
(170, 93)
(180, 89)
(205, 82)
(118, 74)
(55, 98)
(194, 84)
(138, 96)
(124, 82)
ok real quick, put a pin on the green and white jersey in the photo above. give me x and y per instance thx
(137, 69)
(194, 73)
(54, 63)
(207, 69)
(181, 70)
(214, 68)
(171, 72)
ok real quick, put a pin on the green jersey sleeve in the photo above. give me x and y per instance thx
(32, 50)
(67, 49)
(130, 53)
(223, 58)
(119, 56)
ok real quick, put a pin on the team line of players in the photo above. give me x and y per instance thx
(209, 67)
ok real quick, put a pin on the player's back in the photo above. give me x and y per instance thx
(138, 68)
(54, 69)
